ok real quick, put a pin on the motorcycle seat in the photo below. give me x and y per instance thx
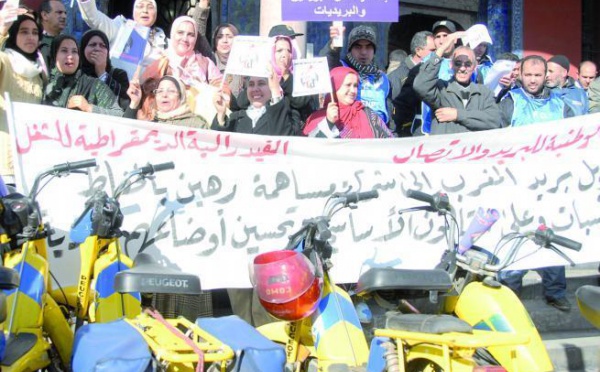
(253, 351)
(149, 276)
(426, 323)
(17, 346)
(588, 299)
(9, 278)
(387, 278)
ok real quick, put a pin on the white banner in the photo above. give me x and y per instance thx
(231, 196)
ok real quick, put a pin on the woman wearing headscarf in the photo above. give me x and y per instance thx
(181, 61)
(69, 87)
(95, 62)
(346, 117)
(268, 113)
(144, 14)
(171, 104)
(22, 73)
(283, 52)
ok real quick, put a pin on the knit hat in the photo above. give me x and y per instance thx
(561, 60)
(362, 32)
(445, 23)
(283, 30)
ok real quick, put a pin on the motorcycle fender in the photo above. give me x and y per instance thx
(500, 310)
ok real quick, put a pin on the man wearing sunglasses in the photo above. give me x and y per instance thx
(457, 105)
(533, 102)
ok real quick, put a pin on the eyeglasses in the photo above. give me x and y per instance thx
(99, 45)
(459, 64)
(170, 92)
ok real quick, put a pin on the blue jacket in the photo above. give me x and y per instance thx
(374, 93)
(529, 110)
(573, 96)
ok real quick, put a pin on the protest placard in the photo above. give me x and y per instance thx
(249, 56)
(342, 10)
(311, 76)
(476, 35)
(127, 52)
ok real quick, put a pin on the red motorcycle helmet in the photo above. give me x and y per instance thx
(286, 284)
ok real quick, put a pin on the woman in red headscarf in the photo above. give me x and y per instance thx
(347, 117)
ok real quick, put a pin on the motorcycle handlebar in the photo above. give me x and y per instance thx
(153, 168)
(438, 201)
(546, 236)
(419, 195)
(69, 167)
(355, 197)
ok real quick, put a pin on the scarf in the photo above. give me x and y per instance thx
(364, 71)
(183, 111)
(26, 68)
(62, 86)
(353, 121)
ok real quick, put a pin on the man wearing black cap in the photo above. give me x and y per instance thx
(533, 102)
(283, 30)
(374, 90)
(559, 81)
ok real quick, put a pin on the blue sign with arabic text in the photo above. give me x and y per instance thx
(340, 10)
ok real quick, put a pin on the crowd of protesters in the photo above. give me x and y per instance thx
(437, 88)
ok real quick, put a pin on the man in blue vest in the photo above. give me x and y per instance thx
(533, 103)
(374, 87)
(558, 79)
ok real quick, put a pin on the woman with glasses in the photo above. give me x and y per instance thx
(95, 62)
(22, 73)
(170, 103)
(69, 87)
(144, 14)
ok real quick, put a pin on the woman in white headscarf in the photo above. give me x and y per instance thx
(144, 14)
(22, 74)
(196, 71)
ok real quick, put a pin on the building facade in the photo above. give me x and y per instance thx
(525, 27)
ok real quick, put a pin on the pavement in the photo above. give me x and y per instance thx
(572, 343)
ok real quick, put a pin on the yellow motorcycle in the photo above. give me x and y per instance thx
(38, 334)
(319, 325)
(478, 324)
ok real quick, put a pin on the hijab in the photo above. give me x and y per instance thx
(183, 109)
(11, 42)
(61, 86)
(276, 68)
(86, 66)
(353, 120)
(173, 56)
(28, 65)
